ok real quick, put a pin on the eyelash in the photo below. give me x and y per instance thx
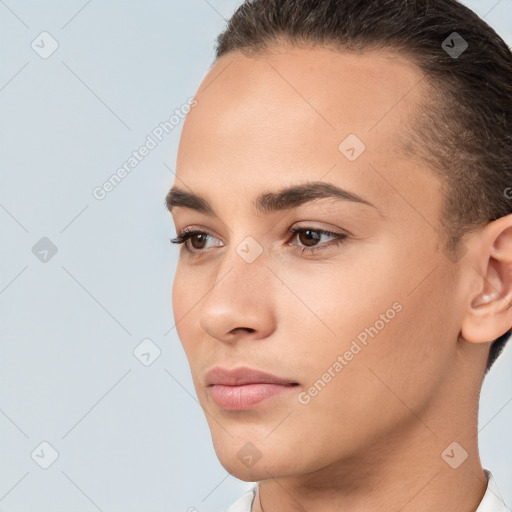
(339, 238)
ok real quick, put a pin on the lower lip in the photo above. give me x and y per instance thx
(236, 398)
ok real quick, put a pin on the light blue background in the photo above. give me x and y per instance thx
(129, 437)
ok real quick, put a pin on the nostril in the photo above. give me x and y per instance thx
(248, 329)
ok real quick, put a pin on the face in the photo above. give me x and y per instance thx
(355, 310)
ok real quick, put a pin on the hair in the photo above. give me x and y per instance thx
(463, 130)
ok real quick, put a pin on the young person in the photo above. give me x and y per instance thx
(342, 200)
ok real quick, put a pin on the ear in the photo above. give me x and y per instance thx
(489, 310)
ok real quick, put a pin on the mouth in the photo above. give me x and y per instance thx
(243, 388)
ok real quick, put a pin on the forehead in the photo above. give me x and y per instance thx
(343, 91)
(263, 121)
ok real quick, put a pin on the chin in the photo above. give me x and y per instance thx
(252, 462)
(242, 460)
(244, 474)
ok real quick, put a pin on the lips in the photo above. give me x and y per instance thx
(242, 375)
(243, 387)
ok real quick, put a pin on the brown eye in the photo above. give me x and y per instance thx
(200, 238)
(308, 237)
(193, 241)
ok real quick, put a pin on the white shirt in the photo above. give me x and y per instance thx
(491, 502)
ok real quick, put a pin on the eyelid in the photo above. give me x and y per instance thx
(292, 230)
(325, 230)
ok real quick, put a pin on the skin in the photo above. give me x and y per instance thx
(372, 439)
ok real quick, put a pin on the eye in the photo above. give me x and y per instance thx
(194, 237)
(194, 240)
(311, 235)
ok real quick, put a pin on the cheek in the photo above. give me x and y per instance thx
(183, 300)
(377, 319)
(336, 301)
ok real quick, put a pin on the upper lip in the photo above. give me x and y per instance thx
(242, 375)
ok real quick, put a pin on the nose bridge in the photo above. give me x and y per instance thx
(242, 272)
(240, 295)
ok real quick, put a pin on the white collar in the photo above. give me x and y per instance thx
(491, 502)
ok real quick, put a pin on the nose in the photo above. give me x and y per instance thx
(240, 303)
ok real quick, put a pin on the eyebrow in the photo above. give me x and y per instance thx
(268, 202)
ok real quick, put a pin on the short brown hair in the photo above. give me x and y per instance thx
(464, 129)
